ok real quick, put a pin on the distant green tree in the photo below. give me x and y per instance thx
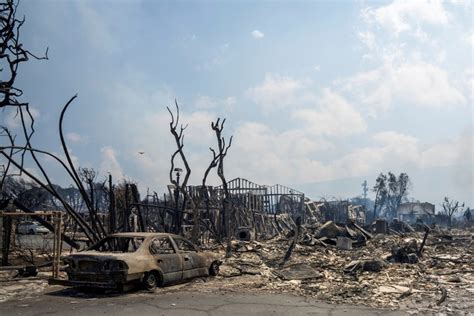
(398, 189)
(467, 215)
(390, 192)
(380, 189)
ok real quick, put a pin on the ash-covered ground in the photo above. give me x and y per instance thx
(440, 280)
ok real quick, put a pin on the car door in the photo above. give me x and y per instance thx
(167, 259)
(193, 264)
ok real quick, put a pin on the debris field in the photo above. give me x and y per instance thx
(441, 279)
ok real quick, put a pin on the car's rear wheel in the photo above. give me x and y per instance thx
(32, 232)
(214, 269)
(150, 281)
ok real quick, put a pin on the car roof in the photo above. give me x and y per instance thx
(142, 234)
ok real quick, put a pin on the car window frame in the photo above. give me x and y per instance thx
(195, 249)
(91, 248)
(173, 246)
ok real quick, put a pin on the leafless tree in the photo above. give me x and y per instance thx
(89, 176)
(205, 194)
(12, 55)
(181, 187)
(92, 234)
(227, 211)
(450, 208)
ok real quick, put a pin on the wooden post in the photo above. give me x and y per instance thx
(57, 243)
(112, 211)
(6, 225)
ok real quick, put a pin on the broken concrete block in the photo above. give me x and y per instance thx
(344, 243)
(373, 265)
(381, 226)
(401, 227)
(406, 253)
(391, 289)
(330, 230)
(299, 271)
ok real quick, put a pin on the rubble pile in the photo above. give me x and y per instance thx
(398, 271)
(416, 269)
(13, 287)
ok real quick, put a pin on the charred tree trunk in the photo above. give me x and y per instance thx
(226, 207)
(179, 140)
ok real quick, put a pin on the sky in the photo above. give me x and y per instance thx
(318, 95)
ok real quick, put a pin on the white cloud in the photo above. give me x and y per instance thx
(334, 116)
(368, 39)
(96, 26)
(458, 151)
(469, 39)
(219, 58)
(396, 151)
(110, 164)
(463, 3)
(199, 128)
(469, 84)
(414, 83)
(426, 85)
(154, 138)
(267, 156)
(401, 15)
(277, 92)
(293, 156)
(62, 157)
(12, 118)
(390, 150)
(203, 102)
(137, 93)
(257, 34)
(76, 138)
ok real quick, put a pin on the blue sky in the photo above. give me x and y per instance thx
(314, 92)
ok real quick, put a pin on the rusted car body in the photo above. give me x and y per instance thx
(151, 259)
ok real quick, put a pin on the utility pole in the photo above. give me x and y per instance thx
(2, 174)
(176, 198)
(112, 211)
(365, 189)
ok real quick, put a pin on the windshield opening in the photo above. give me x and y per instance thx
(118, 244)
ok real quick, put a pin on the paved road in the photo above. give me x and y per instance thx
(61, 301)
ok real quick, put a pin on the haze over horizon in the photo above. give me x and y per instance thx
(318, 95)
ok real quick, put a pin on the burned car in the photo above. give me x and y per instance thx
(149, 259)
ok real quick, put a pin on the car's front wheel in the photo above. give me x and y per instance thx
(214, 269)
(150, 281)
